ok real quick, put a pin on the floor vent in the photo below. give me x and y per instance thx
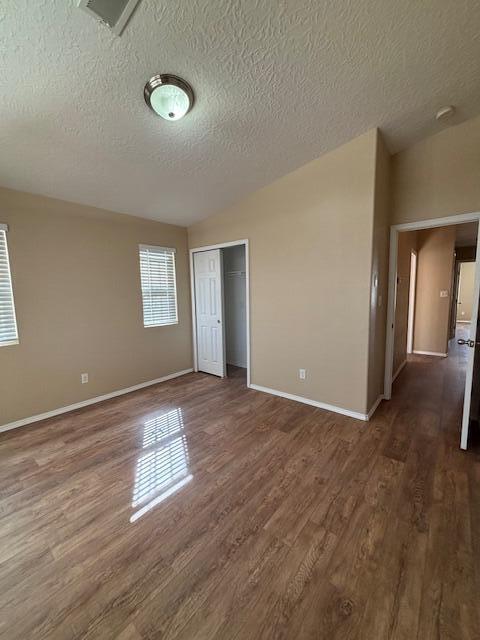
(113, 13)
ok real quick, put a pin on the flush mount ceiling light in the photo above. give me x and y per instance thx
(169, 96)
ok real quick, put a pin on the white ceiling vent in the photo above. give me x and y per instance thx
(114, 13)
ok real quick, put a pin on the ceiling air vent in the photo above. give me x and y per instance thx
(114, 13)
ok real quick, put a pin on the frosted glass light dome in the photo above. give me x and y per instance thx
(168, 96)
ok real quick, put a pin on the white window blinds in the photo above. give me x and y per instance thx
(8, 323)
(159, 290)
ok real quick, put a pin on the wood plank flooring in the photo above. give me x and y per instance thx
(199, 509)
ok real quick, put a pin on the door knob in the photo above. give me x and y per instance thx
(469, 343)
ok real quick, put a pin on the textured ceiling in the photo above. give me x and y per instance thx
(277, 84)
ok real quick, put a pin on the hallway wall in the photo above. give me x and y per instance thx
(434, 274)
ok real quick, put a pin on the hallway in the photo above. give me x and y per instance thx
(436, 384)
(443, 489)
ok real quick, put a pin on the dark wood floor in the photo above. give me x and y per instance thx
(198, 509)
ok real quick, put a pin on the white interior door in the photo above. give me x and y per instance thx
(472, 344)
(208, 273)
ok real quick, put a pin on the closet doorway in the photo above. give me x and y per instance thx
(220, 309)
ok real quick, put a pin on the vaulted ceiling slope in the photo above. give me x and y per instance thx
(277, 84)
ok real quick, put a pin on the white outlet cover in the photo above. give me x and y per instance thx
(444, 293)
(302, 374)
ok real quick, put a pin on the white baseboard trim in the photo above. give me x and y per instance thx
(86, 403)
(375, 405)
(431, 353)
(397, 372)
(313, 403)
(464, 321)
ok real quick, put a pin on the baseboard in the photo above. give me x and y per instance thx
(375, 405)
(397, 372)
(313, 403)
(464, 321)
(86, 403)
(430, 353)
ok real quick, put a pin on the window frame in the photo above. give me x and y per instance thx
(9, 343)
(158, 248)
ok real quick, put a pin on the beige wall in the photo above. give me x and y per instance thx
(407, 242)
(439, 176)
(77, 291)
(325, 218)
(310, 239)
(379, 275)
(434, 273)
(465, 291)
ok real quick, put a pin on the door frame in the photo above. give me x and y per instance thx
(222, 245)
(412, 295)
(454, 305)
(417, 226)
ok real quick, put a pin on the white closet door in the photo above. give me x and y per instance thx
(208, 271)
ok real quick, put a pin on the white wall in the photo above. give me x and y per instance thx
(235, 305)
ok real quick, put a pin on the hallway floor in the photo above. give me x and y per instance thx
(200, 509)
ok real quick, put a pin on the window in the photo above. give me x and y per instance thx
(159, 290)
(8, 323)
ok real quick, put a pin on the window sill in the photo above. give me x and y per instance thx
(9, 343)
(166, 324)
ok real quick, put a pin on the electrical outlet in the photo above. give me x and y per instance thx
(444, 293)
(84, 378)
(302, 374)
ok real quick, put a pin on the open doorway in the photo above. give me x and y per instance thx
(220, 309)
(433, 307)
(235, 305)
(465, 280)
